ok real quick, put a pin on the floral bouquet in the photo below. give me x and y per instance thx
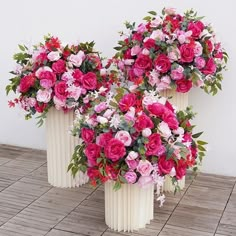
(53, 75)
(133, 138)
(172, 51)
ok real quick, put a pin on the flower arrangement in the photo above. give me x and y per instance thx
(133, 138)
(172, 51)
(53, 75)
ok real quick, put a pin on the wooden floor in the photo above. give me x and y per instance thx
(30, 206)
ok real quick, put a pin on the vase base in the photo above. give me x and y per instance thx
(169, 187)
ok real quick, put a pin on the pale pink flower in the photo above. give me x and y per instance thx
(85, 99)
(145, 181)
(74, 92)
(77, 59)
(132, 164)
(130, 115)
(177, 73)
(129, 62)
(172, 172)
(59, 104)
(108, 113)
(170, 11)
(130, 176)
(146, 132)
(174, 54)
(133, 88)
(124, 137)
(67, 76)
(156, 22)
(135, 50)
(42, 69)
(100, 107)
(200, 62)
(144, 167)
(102, 120)
(145, 51)
(31, 102)
(164, 129)
(198, 49)
(153, 78)
(141, 28)
(157, 35)
(103, 72)
(132, 155)
(53, 56)
(44, 95)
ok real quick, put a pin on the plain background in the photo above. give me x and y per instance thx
(26, 22)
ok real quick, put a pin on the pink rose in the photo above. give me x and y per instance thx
(124, 137)
(53, 56)
(150, 43)
(61, 90)
(89, 81)
(103, 139)
(187, 52)
(144, 167)
(145, 181)
(180, 169)
(197, 49)
(130, 176)
(26, 83)
(92, 152)
(210, 67)
(177, 73)
(170, 119)
(162, 63)
(127, 101)
(135, 50)
(100, 107)
(154, 146)
(156, 109)
(143, 62)
(174, 54)
(87, 135)
(77, 75)
(77, 59)
(132, 164)
(114, 149)
(142, 122)
(200, 62)
(46, 76)
(132, 155)
(164, 165)
(59, 66)
(196, 27)
(183, 85)
(44, 95)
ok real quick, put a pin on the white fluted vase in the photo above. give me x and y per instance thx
(60, 147)
(129, 208)
(180, 100)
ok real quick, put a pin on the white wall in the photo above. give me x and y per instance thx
(27, 21)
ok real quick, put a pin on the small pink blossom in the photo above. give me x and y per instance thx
(200, 62)
(156, 22)
(144, 167)
(177, 73)
(141, 28)
(153, 78)
(74, 92)
(100, 107)
(130, 115)
(132, 164)
(108, 113)
(124, 137)
(102, 120)
(103, 72)
(135, 50)
(145, 51)
(59, 104)
(129, 62)
(174, 54)
(157, 35)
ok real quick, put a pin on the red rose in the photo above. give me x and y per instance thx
(127, 54)
(143, 62)
(104, 138)
(77, 75)
(154, 145)
(187, 52)
(60, 90)
(180, 169)
(40, 107)
(41, 58)
(183, 85)
(170, 119)
(210, 67)
(127, 101)
(196, 27)
(26, 83)
(209, 46)
(87, 135)
(156, 109)
(143, 122)
(92, 152)
(137, 37)
(162, 63)
(150, 43)
(114, 150)
(59, 67)
(173, 21)
(164, 165)
(89, 81)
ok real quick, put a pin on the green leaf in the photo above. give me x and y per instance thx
(152, 13)
(21, 47)
(197, 135)
(201, 148)
(70, 166)
(117, 185)
(201, 142)
(147, 18)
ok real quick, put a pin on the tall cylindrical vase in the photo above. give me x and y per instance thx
(60, 147)
(129, 208)
(180, 100)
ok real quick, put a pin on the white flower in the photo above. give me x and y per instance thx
(44, 95)
(102, 120)
(164, 129)
(53, 56)
(103, 72)
(161, 199)
(115, 121)
(172, 172)
(108, 113)
(146, 132)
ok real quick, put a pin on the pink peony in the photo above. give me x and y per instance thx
(46, 76)
(200, 62)
(196, 27)
(44, 95)
(114, 149)
(59, 66)
(132, 164)
(124, 137)
(177, 73)
(198, 49)
(162, 63)
(143, 62)
(170, 118)
(132, 155)
(103, 139)
(156, 109)
(61, 90)
(145, 181)
(183, 85)
(100, 107)
(144, 167)
(53, 56)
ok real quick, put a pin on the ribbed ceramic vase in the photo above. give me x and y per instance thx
(60, 147)
(129, 208)
(180, 100)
